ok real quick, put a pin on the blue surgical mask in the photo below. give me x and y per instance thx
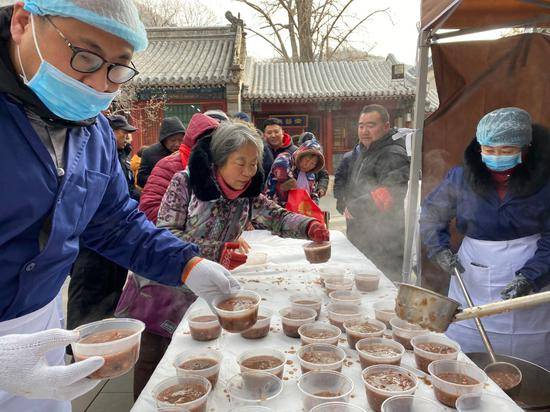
(502, 162)
(64, 96)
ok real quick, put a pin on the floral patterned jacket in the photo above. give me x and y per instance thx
(195, 210)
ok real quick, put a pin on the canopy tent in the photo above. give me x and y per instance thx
(480, 14)
(472, 79)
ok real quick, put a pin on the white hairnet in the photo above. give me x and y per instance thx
(118, 17)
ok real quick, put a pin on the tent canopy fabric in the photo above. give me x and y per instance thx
(469, 14)
(474, 78)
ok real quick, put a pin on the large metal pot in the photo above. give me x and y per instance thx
(534, 390)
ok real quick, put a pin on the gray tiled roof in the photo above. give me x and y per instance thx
(187, 57)
(342, 80)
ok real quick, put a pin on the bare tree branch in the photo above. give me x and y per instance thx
(277, 49)
(312, 29)
(172, 13)
(281, 49)
(343, 39)
(335, 20)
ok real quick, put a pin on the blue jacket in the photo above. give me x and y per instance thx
(468, 194)
(89, 204)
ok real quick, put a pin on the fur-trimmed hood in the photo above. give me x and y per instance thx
(526, 178)
(201, 175)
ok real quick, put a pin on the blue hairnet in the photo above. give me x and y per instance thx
(509, 126)
(118, 17)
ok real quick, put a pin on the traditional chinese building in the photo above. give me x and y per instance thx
(187, 70)
(326, 97)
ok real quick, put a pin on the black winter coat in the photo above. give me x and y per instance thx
(379, 235)
(149, 159)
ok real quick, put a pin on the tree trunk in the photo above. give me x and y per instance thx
(304, 10)
(292, 31)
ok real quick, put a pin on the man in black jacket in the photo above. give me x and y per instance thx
(170, 138)
(122, 129)
(370, 188)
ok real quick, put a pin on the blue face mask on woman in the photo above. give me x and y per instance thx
(64, 96)
(499, 163)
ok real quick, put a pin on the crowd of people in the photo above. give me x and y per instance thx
(173, 214)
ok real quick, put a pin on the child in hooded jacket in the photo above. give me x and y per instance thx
(296, 171)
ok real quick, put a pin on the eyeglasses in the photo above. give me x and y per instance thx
(86, 61)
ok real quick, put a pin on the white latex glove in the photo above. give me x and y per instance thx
(209, 279)
(24, 370)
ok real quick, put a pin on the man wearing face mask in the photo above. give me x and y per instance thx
(61, 63)
(500, 199)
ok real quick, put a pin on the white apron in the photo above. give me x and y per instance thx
(45, 318)
(489, 266)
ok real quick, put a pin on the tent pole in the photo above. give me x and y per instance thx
(416, 158)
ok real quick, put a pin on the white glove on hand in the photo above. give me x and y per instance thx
(25, 371)
(208, 279)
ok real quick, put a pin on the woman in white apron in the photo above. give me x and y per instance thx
(500, 199)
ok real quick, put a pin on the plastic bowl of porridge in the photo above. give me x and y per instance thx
(317, 252)
(189, 393)
(204, 325)
(432, 347)
(264, 360)
(404, 331)
(321, 356)
(203, 362)
(379, 351)
(319, 332)
(384, 381)
(115, 340)
(338, 313)
(367, 282)
(345, 296)
(253, 388)
(238, 312)
(261, 328)
(452, 379)
(384, 311)
(362, 328)
(307, 300)
(294, 317)
(318, 387)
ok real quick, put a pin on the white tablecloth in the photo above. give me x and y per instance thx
(285, 272)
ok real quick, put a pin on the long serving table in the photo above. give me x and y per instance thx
(286, 272)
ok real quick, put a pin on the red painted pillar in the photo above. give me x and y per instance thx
(329, 146)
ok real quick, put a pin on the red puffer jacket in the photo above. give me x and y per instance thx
(151, 196)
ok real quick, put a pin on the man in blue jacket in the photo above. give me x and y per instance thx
(61, 63)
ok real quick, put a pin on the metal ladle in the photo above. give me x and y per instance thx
(494, 366)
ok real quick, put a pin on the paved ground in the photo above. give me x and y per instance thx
(117, 394)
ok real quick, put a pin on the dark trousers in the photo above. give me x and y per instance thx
(95, 287)
(150, 353)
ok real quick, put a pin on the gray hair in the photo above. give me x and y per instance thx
(229, 137)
